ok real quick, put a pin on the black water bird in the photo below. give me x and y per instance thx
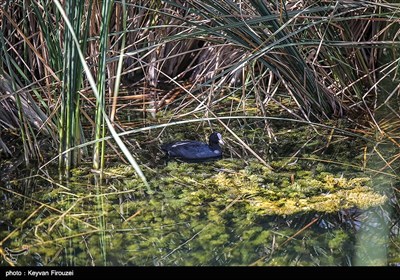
(195, 151)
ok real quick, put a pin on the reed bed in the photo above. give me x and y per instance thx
(66, 66)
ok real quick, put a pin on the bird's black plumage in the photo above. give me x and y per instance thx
(195, 151)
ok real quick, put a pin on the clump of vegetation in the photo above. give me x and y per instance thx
(277, 193)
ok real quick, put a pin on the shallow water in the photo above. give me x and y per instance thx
(316, 207)
(186, 221)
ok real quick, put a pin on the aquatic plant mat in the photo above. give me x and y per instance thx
(229, 212)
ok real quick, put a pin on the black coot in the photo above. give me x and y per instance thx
(195, 151)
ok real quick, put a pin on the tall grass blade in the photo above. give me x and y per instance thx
(96, 93)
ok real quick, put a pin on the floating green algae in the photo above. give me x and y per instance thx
(228, 212)
(273, 193)
(290, 191)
